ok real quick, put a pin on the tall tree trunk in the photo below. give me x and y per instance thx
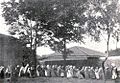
(64, 55)
(117, 40)
(103, 63)
(116, 45)
(35, 55)
(34, 60)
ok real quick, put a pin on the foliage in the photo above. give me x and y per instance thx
(27, 20)
(42, 22)
(69, 24)
(103, 18)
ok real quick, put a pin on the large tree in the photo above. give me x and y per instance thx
(36, 22)
(29, 21)
(68, 26)
(103, 19)
(40, 22)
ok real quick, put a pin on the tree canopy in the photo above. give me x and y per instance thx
(27, 20)
(46, 22)
(43, 21)
(58, 22)
(103, 17)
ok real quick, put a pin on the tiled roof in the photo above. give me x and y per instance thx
(81, 51)
(76, 53)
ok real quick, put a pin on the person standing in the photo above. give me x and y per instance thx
(97, 73)
(69, 72)
(100, 71)
(58, 71)
(8, 72)
(48, 71)
(82, 71)
(114, 72)
(62, 72)
(53, 71)
(23, 70)
(92, 73)
(86, 71)
(74, 72)
(2, 72)
(108, 73)
(79, 75)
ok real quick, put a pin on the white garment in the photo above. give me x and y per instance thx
(97, 75)
(46, 73)
(24, 69)
(69, 74)
(21, 69)
(28, 71)
(62, 74)
(114, 74)
(1, 68)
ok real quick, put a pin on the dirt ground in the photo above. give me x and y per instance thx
(56, 80)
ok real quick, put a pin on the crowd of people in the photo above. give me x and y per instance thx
(70, 71)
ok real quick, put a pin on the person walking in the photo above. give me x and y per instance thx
(69, 73)
(97, 73)
(114, 72)
(2, 72)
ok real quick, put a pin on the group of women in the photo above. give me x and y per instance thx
(85, 72)
(69, 71)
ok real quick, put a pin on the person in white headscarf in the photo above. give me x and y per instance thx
(69, 72)
(97, 73)
(69, 75)
(114, 72)
(8, 71)
(23, 70)
(78, 74)
(48, 71)
(100, 71)
(92, 73)
(108, 73)
(86, 71)
(37, 70)
(1, 71)
(62, 72)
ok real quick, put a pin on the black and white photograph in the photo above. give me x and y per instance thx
(59, 41)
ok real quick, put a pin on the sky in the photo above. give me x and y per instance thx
(98, 46)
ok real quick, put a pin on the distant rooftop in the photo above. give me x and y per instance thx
(80, 51)
(76, 53)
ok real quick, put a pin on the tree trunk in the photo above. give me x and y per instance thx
(64, 55)
(103, 63)
(35, 55)
(117, 43)
(34, 63)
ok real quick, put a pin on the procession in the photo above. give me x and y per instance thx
(59, 41)
(85, 72)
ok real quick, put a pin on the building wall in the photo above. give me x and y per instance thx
(89, 62)
(10, 51)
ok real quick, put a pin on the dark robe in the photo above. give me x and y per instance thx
(108, 73)
(86, 73)
(2, 73)
(92, 74)
(53, 72)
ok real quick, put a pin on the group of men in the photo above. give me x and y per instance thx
(70, 71)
